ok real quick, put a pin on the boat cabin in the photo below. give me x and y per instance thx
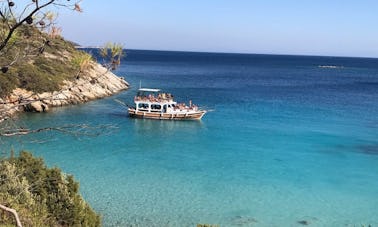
(151, 103)
(151, 100)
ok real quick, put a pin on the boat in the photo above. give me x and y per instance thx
(154, 104)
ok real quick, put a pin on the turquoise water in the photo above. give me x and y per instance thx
(285, 141)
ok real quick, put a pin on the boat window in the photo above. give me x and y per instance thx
(173, 105)
(143, 105)
(155, 107)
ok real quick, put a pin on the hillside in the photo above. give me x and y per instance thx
(54, 74)
(39, 73)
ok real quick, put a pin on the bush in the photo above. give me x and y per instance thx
(7, 83)
(42, 196)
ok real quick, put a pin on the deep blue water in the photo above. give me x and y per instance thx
(284, 141)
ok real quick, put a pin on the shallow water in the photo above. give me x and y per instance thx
(286, 142)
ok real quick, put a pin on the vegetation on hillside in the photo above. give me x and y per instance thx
(42, 196)
(57, 60)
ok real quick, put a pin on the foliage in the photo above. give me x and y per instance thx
(112, 53)
(7, 83)
(45, 71)
(82, 61)
(42, 196)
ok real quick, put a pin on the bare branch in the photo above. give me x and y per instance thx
(10, 9)
(18, 24)
(75, 130)
(12, 211)
(5, 18)
(25, 9)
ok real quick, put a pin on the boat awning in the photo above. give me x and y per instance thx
(148, 89)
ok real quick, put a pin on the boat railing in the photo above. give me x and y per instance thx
(152, 99)
(161, 98)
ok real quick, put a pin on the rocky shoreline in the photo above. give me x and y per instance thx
(96, 83)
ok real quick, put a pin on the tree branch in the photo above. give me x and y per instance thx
(75, 130)
(12, 211)
(18, 24)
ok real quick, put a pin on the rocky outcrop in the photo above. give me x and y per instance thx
(96, 83)
(36, 106)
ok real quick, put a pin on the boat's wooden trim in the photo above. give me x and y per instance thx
(167, 116)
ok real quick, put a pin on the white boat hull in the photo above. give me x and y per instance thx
(192, 115)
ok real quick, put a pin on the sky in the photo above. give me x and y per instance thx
(294, 27)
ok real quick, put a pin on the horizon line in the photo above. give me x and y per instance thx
(239, 53)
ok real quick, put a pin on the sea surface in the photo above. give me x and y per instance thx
(287, 141)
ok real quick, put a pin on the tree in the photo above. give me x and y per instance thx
(112, 54)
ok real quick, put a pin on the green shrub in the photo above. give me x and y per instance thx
(42, 196)
(7, 83)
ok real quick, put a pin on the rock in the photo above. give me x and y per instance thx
(36, 106)
(303, 222)
(243, 221)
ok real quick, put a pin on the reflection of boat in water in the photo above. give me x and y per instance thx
(151, 103)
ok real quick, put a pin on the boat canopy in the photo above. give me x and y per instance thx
(148, 90)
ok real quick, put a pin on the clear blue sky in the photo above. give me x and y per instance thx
(306, 27)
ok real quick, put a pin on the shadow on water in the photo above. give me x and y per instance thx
(156, 126)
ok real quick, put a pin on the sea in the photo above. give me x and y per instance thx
(286, 141)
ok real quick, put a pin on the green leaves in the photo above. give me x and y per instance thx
(112, 54)
(82, 61)
(42, 196)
